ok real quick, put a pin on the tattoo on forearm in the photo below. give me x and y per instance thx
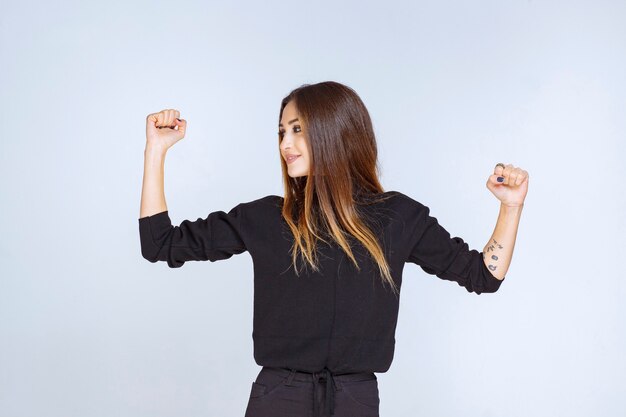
(492, 247)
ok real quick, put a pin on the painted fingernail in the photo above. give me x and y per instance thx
(500, 179)
(178, 119)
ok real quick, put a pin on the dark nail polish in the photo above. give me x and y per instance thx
(500, 179)
(178, 119)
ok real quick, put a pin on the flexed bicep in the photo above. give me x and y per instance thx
(449, 258)
(218, 236)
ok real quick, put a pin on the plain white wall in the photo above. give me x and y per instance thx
(90, 328)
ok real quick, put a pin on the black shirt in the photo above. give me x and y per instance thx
(337, 318)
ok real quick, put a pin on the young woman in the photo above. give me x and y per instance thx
(328, 256)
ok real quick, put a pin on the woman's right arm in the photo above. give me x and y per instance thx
(218, 236)
(161, 134)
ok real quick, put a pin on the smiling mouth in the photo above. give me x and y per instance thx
(290, 159)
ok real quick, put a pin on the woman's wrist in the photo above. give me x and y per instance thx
(512, 205)
(511, 209)
(155, 151)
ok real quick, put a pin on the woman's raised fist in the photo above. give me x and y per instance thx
(165, 128)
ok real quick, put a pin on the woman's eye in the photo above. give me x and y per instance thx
(281, 133)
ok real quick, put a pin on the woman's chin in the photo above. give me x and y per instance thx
(297, 174)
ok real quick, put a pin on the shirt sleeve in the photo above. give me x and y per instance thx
(218, 236)
(449, 258)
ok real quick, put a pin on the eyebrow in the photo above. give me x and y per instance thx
(290, 122)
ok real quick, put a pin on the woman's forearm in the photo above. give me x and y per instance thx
(498, 251)
(152, 192)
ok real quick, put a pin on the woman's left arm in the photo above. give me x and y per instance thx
(510, 185)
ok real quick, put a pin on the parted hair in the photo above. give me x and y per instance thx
(343, 175)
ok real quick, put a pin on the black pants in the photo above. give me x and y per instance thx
(281, 392)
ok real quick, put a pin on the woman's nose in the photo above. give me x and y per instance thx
(285, 143)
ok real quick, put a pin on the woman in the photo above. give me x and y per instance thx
(328, 256)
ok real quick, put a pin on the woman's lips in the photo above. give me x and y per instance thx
(291, 159)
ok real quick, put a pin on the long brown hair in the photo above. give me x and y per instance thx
(343, 174)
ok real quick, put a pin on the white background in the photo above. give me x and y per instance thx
(88, 328)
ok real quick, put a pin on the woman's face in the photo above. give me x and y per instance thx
(293, 142)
